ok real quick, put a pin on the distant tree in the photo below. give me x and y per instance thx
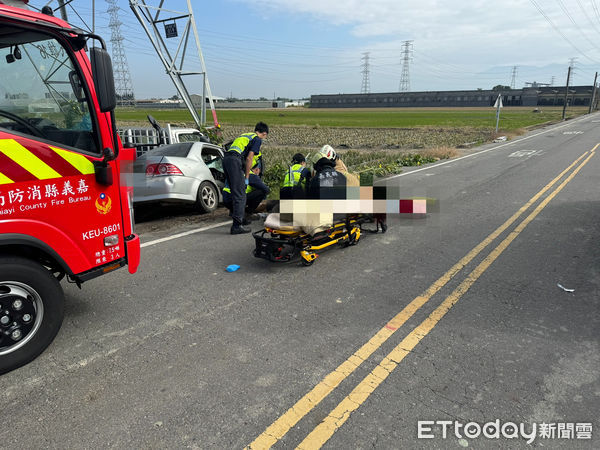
(174, 97)
(501, 88)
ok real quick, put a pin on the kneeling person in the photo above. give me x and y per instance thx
(256, 192)
(296, 180)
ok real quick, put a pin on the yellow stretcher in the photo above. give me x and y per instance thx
(286, 243)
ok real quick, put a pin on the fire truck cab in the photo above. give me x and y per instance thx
(66, 207)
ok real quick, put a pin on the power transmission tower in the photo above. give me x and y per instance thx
(552, 80)
(123, 84)
(513, 79)
(366, 84)
(406, 58)
(150, 17)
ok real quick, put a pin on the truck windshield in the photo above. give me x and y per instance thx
(192, 137)
(41, 94)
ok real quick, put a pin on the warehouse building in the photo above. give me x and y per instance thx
(538, 96)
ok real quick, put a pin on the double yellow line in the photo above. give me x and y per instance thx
(338, 416)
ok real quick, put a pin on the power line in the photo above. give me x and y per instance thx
(541, 11)
(577, 27)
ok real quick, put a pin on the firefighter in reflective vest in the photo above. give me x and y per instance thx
(237, 162)
(296, 179)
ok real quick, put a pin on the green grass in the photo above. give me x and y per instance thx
(511, 118)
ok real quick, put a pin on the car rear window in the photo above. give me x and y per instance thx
(181, 150)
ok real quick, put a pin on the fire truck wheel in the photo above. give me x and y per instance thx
(208, 198)
(31, 311)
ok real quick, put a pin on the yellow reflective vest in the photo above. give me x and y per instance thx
(240, 143)
(228, 189)
(293, 176)
(239, 146)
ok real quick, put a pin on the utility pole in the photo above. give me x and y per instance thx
(593, 94)
(405, 76)
(365, 87)
(566, 94)
(572, 62)
(513, 79)
(63, 10)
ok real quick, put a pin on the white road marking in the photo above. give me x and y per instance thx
(522, 153)
(185, 233)
(450, 161)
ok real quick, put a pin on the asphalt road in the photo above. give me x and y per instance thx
(456, 316)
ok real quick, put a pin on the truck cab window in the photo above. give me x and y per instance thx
(41, 93)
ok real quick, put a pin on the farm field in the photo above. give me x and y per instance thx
(511, 118)
(376, 141)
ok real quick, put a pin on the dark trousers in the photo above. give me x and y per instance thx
(290, 193)
(253, 199)
(232, 165)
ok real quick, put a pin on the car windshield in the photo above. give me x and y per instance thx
(41, 93)
(182, 150)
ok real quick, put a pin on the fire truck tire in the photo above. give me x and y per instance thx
(208, 197)
(31, 311)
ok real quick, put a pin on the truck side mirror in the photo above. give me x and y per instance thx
(102, 170)
(103, 79)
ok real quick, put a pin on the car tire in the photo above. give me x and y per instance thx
(31, 311)
(207, 199)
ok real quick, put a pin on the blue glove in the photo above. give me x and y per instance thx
(247, 181)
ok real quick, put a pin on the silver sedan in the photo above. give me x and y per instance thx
(188, 172)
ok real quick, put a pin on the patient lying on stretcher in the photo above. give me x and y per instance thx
(326, 198)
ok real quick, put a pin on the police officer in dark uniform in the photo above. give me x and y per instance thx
(237, 163)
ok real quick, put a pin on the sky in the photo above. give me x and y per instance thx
(296, 48)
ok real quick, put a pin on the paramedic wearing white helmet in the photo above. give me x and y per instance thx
(327, 183)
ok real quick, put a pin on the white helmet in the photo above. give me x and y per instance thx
(328, 152)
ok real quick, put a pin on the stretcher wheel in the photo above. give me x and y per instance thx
(308, 258)
(353, 237)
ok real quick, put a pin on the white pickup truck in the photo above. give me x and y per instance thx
(144, 139)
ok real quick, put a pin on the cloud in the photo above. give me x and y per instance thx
(482, 29)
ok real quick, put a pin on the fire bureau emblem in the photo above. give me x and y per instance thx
(103, 203)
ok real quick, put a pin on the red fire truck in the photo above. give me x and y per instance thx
(65, 198)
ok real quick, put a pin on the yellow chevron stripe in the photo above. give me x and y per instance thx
(80, 162)
(4, 179)
(27, 160)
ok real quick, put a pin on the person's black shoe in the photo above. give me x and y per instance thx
(246, 221)
(239, 229)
